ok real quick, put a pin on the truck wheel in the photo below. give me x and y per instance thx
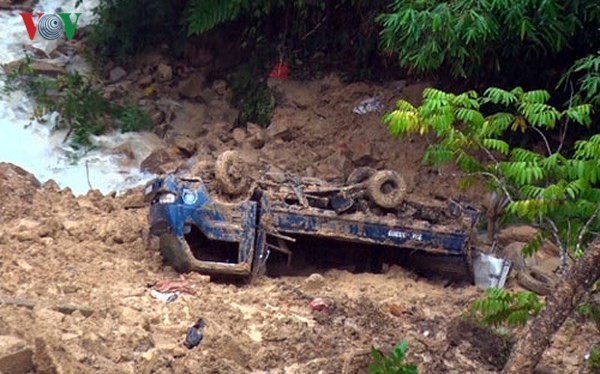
(230, 173)
(537, 281)
(360, 175)
(387, 189)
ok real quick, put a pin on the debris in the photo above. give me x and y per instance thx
(167, 297)
(194, 334)
(321, 305)
(490, 271)
(174, 286)
(280, 71)
(372, 104)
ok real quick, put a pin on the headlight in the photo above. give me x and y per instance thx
(167, 198)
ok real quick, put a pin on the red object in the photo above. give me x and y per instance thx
(320, 305)
(166, 286)
(280, 71)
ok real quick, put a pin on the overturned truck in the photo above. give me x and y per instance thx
(221, 223)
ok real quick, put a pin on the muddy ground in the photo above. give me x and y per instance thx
(93, 252)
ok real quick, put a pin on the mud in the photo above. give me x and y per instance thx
(93, 251)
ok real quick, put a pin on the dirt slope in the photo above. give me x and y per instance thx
(92, 252)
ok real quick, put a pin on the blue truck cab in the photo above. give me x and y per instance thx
(199, 231)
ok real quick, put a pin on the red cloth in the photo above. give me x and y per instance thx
(280, 71)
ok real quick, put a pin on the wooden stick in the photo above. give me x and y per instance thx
(30, 304)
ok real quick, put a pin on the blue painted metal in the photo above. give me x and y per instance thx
(249, 222)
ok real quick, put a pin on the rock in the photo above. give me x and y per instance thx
(514, 253)
(16, 357)
(145, 80)
(148, 362)
(314, 282)
(253, 128)
(361, 153)
(517, 233)
(185, 145)
(220, 87)
(41, 67)
(280, 127)
(116, 74)
(23, 6)
(165, 73)
(190, 120)
(257, 141)
(160, 158)
(192, 87)
(158, 117)
(239, 135)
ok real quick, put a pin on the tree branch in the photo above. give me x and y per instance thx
(545, 139)
(584, 229)
(563, 250)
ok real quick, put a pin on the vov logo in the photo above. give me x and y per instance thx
(50, 26)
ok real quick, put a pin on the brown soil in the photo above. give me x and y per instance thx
(93, 252)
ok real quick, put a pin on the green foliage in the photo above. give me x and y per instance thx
(310, 35)
(470, 37)
(394, 363)
(251, 95)
(586, 74)
(551, 189)
(82, 107)
(125, 28)
(501, 307)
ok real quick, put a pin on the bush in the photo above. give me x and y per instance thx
(127, 27)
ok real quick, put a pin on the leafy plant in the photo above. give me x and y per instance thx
(82, 108)
(501, 307)
(125, 28)
(471, 37)
(549, 188)
(587, 71)
(394, 363)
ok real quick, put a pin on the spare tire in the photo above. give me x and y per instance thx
(537, 281)
(360, 175)
(387, 189)
(230, 173)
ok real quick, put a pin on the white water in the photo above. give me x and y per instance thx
(36, 148)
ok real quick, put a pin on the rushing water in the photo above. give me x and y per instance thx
(36, 148)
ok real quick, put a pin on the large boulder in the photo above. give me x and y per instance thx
(164, 160)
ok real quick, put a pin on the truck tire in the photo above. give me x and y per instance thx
(537, 281)
(230, 173)
(360, 175)
(387, 189)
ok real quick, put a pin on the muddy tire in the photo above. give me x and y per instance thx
(230, 173)
(360, 175)
(173, 253)
(537, 281)
(387, 189)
